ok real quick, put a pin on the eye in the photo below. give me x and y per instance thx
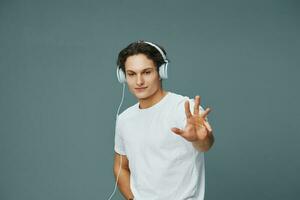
(148, 72)
(130, 74)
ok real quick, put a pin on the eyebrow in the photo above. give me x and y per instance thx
(142, 70)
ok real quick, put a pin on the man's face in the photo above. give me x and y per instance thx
(141, 73)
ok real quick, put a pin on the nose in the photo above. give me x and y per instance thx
(140, 80)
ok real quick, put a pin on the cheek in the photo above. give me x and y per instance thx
(153, 77)
(130, 83)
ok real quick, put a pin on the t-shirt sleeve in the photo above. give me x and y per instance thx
(119, 142)
(181, 116)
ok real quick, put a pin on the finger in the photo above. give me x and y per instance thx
(187, 109)
(177, 131)
(196, 106)
(207, 126)
(205, 113)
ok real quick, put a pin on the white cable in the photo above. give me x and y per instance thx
(115, 132)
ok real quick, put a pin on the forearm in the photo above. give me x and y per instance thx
(124, 183)
(204, 145)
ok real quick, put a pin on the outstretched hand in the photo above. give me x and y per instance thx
(196, 128)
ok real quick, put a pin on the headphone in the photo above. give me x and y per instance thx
(163, 69)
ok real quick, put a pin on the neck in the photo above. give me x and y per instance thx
(153, 99)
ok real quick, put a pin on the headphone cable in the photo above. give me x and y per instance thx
(115, 132)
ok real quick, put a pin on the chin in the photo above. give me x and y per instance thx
(142, 96)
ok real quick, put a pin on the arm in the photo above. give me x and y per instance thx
(124, 177)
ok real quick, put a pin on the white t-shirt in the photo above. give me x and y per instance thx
(163, 165)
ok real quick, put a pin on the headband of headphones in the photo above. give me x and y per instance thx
(159, 49)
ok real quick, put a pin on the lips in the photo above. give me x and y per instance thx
(140, 89)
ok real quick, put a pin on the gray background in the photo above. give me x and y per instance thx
(59, 93)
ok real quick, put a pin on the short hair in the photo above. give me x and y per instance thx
(140, 47)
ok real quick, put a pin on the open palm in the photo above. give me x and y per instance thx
(196, 128)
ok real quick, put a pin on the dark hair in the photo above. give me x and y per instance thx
(143, 48)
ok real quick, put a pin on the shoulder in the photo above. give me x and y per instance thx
(175, 97)
(181, 99)
(128, 112)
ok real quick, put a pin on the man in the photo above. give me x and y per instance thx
(159, 143)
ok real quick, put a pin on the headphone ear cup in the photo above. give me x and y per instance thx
(120, 75)
(163, 71)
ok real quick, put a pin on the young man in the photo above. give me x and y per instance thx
(160, 141)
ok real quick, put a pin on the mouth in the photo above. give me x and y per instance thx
(140, 89)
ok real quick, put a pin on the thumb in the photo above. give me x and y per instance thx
(177, 131)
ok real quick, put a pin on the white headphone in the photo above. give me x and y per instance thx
(163, 69)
